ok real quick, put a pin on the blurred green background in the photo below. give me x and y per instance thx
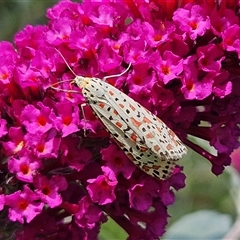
(16, 14)
(203, 189)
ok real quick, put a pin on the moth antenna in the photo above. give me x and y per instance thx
(120, 74)
(65, 90)
(69, 80)
(66, 62)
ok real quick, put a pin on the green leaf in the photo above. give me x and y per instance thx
(203, 224)
(111, 230)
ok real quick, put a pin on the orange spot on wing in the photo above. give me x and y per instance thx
(155, 167)
(143, 149)
(173, 136)
(169, 147)
(121, 105)
(171, 133)
(135, 122)
(118, 124)
(111, 93)
(149, 135)
(101, 105)
(115, 112)
(146, 120)
(156, 148)
(133, 137)
(146, 168)
(132, 107)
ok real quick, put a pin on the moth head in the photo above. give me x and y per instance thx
(81, 81)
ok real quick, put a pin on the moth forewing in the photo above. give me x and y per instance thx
(148, 127)
(130, 139)
(141, 156)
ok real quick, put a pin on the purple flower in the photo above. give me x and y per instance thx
(16, 141)
(25, 167)
(3, 127)
(185, 70)
(36, 120)
(168, 67)
(44, 145)
(2, 201)
(221, 22)
(8, 59)
(101, 189)
(23, 205)
(49, 227)
(141, 79)
(155, 36)
(72, 156)
(117, 161)
(67, 119)
(192, 88)
(231, 40)
(210, 58)
(141, 194)
(192, 20)
(89, 214)
(47, 189)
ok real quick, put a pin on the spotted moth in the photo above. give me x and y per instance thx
(146, 139)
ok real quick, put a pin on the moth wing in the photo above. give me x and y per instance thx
(141, 156)
(149, 128)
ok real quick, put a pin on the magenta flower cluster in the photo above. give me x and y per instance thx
(59, 183)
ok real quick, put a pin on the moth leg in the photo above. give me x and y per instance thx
(84, 117)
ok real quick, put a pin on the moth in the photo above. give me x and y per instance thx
(146, 139)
